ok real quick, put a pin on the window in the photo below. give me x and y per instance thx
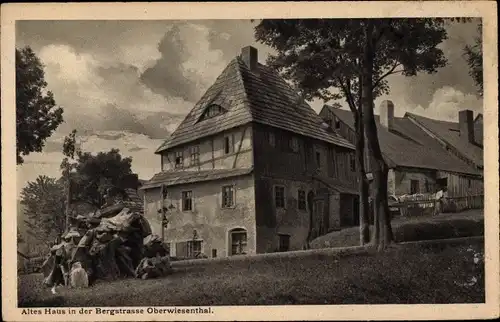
(238, 242)
(179, 159)
(167, 247)
(469, 183)
(337, 125)
(272, 139)
(214, 253)
(187, 200)
(414, 187)
(333, 164)
(227, 196)
(195, 155)
(284, 243)
(164, 160)
(194, 248)
(212, 111)
(279, 197)
(352, 162)
(442, 183)
(301, 199)
(318, 159)
(294, 144)
(228, 144)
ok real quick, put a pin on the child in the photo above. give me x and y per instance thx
(78, 276)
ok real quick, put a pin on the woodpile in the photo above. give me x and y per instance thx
(111, 243)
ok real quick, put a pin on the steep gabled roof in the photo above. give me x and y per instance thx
(259, 95)
(449, 132)
(408, 145)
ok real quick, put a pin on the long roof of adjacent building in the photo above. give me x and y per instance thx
(408, 145)
(450, 133)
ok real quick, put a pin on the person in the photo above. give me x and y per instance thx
(58, 273)
(439, 198)
(78, 276)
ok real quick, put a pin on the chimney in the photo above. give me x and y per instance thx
(466, 125)
(387, 114)
(250, 56)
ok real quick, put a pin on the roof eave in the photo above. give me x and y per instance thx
(159, 183)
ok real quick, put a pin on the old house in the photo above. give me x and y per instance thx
(418, 162)
(251, 169)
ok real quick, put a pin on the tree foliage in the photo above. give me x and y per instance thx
(96, 173)
(324, 57)
(474, 56)
(44, 207)
(36, 113)
(351, 59)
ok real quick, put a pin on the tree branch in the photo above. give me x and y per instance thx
(346, 89)
(389, 72)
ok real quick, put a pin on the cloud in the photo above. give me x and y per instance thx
(138, 146)
(98, 96)
(447, 102)
(419, 90)
(187, 65)
(135, 148)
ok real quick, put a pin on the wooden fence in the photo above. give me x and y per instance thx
(425, 205)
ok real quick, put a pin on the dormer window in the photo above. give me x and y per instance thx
(212, 110)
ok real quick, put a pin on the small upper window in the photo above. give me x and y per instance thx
(179, 159)
(352, 162)
(272, 139)
(228, 144)
(194, 155)
(337, 125)
(294, 144)
(318, 159)
(213, 110)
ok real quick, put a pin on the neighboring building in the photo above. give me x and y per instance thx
(418, 162)
(249, 168)
(464, 139)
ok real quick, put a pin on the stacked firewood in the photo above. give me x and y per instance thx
(110, 243)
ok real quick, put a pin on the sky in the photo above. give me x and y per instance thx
(128, 84)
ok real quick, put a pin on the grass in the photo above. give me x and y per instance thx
(463, 224)
(404, 275)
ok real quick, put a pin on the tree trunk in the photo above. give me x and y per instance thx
(382, 228)
(364, 225)
(68, 200)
